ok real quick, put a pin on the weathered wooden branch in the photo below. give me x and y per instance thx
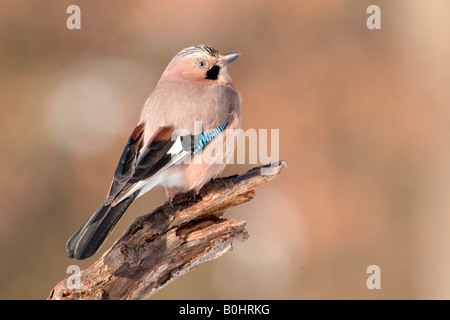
(170, 241)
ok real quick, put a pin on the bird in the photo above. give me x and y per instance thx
(183, 120)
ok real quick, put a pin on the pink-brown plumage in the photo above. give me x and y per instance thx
(194, 89)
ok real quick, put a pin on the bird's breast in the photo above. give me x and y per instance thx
(187, 107)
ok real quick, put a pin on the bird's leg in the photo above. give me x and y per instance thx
(170, 194)
(196, 192)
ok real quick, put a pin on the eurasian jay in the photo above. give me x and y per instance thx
(182, 121)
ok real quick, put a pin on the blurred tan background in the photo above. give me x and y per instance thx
(364, 119)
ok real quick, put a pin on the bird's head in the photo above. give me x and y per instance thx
(201, 64)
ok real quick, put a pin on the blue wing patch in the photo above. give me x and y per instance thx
(205, 138)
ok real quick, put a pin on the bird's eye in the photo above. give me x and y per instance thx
(201, 64)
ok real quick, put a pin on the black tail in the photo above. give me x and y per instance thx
(88, 239)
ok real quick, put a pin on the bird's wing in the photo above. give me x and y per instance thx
(139, 162)
(127, 163)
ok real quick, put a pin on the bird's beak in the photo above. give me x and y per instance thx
(228, 59)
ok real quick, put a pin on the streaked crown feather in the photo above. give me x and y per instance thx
(198, 49)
